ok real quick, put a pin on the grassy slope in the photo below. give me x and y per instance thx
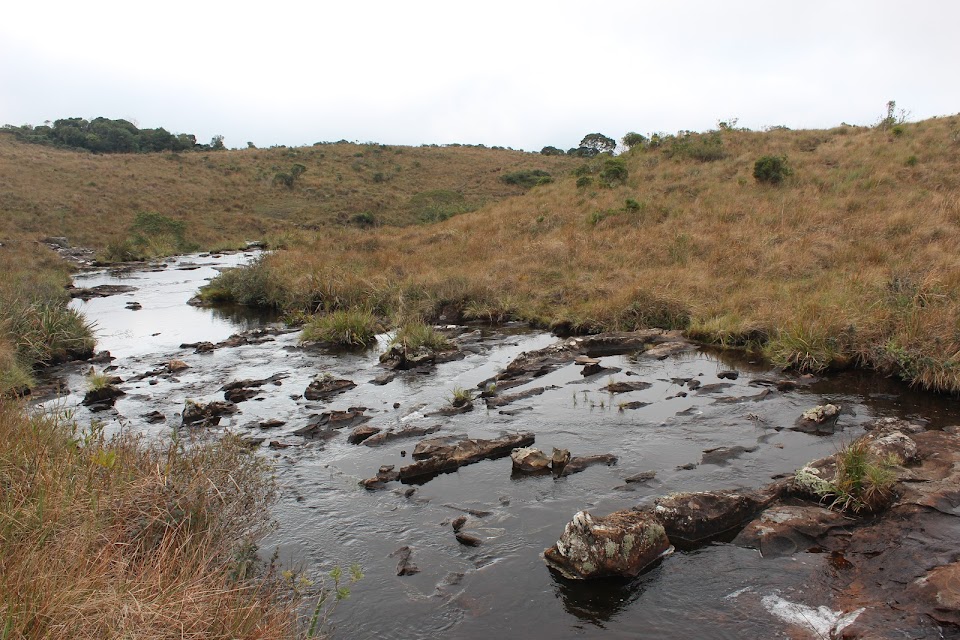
(854, 259)
(229, 196)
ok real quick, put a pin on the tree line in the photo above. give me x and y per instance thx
(103, 135)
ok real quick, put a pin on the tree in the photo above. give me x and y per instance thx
(632, 140)
(216, 144)
(596, 143)
(551, 151)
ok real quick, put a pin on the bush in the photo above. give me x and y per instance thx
(439, 205)
(705, 147)
(771, 169)
(632, 140)
(527, 178)
(363, 219)
(614, 172)
(153, 234)
(551, 151)
(584, 181)
(346, 328)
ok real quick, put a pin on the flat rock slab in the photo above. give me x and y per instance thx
(323, 388)
(627, 387)
(450, 458)
(101, 291)
(383, 437)
(693, 519)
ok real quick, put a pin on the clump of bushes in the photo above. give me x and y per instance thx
(771, 169)
(289, 178)
(705, 147)
(344, 327)
(150, 235)
(439, 205)
(527, 178)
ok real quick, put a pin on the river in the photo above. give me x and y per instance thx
(717, 437)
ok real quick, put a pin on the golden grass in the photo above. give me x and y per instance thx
(118, 538)
(852, 260)
(230, 196)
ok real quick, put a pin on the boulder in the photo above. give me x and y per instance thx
(407, 432)
(559, 459)
(468, 540)
(384, 475)
(895, 447)
(623, 543)
(104, 396)
(819, 420)
(579, 463)
(626, 387)
(529, 460)
(693, 519)
(405, 567)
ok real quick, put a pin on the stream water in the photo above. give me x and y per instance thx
(502, 586)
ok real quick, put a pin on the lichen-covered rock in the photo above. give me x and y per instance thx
(692, 519)
(821, 413)
(529, 460)
(623, 543)
(895, 447)
(783, 530)
(820, 420)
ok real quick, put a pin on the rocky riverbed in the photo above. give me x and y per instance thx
(379, 466)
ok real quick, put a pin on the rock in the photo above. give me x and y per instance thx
(476, 513)
(693, 385)
(468, 540)
(101, 357)
(579, 463)
(206, 414)
(559, 459)
(134, 306)
(431, 446)
(204, 347)
(889, 425)
(240, 395)
(104, 396)
(499, 401)
(585, 360)
(728, 375)
(626, 387)
(667, 349)
(327, 386)
(177, 365)
(722, 455)
(783, 530)
(275, 380)
(643, 476)
(820, 420)
(458, 523)
(529, 460)
(324, 425)
(623, 543)
(452, 457)
(693, 519)
(101, 291)
(713, 388)
(361, 433)
(405, 566)
(636, 404)
(272, 423)
(391, 435)
(900, 447)
(384, 475)
(154, 417)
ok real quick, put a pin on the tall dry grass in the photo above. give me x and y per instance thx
(852, 260)
(121, 538)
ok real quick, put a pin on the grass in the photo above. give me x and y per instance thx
(850, 261)
(861, 482)
(97, 381)
(118, 537)
(413, 335)
(344, 327)
(460, 397)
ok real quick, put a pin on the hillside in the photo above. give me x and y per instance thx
(853, 259)
(226, 197)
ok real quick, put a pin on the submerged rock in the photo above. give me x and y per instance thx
(579, 463)
(623, 543)
(391, 435)
(362, 433)
(405, 567)
(384, 475)
(783, 530)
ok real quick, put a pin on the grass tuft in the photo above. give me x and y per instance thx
(346, 328)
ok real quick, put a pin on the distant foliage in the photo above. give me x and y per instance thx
(594, 144)
(527, 178)
(551, 151)
(289, 178)
(771, 169)
(614, 172)
(103, 135)
(438, 205)
(894, 118)
(705, 147)
(633, 139)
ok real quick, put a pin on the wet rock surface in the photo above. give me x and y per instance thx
(444, 459)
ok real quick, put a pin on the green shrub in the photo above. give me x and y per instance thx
(633, 140)
(771, 169)
(584, 181)
(527, 178)
(363, 219)
(614, 172)
(911, 161)
(705, 147)
(438, 205)
(345, 327)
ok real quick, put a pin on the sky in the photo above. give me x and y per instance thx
(520, 74)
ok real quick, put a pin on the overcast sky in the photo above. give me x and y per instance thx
(518, 74)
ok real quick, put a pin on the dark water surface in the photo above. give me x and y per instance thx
(501, 587)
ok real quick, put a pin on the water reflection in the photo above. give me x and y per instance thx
(598, 601)
(244, 318)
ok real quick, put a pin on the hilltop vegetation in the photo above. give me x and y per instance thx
(103, 135)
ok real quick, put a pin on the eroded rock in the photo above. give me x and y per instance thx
(209, 414)
(445, 459)
(693, 519)
(623, 543)
(326, 387)
(530, 460)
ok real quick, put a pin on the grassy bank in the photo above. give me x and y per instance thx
(36, 327)
(117, 537)
(851, 260)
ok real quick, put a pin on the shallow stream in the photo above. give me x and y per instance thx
(716, 437)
